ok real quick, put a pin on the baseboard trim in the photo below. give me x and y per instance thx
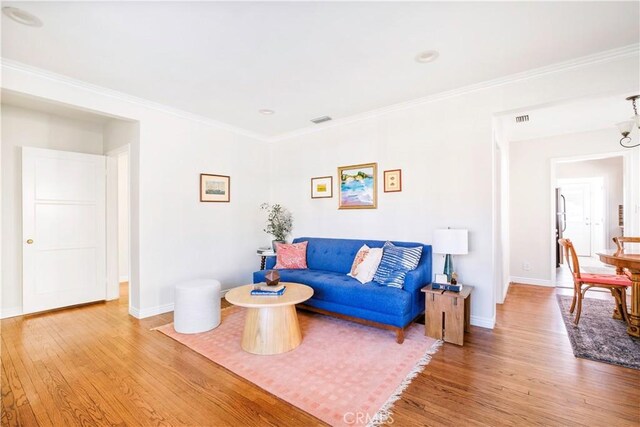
(11, 312)
(160, 309)
(483, 322)
(530, 281)
(151, 311)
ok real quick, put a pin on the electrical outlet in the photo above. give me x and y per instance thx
(526, 266)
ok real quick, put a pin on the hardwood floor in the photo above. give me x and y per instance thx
(95, 365)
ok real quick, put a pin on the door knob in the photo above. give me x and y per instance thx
(29, 241)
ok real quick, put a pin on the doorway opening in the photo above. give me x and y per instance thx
(589, 196)
(79, 243)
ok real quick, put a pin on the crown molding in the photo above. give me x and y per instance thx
(600, 57)
(100, 90)
(583, 61)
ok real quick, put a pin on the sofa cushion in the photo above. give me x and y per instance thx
(291, 255)
(342, 289)
(396, 262)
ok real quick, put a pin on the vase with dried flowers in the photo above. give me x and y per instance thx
(279, 222)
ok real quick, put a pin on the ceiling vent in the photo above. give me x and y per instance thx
(522, 119)
(322, 119)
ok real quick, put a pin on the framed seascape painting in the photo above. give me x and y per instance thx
(215, 188)
(322, 187)
(357, 187)
(392, 181)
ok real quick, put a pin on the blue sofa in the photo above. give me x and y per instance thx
(335, 293)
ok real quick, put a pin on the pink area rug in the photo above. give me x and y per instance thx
(343, 373)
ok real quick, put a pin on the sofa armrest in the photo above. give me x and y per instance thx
(416, 280)
(271, 262)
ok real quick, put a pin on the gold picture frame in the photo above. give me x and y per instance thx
(215, 188)
(358, 186)
(322, 187)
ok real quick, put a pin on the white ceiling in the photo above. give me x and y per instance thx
(581, 115)
(226, 60)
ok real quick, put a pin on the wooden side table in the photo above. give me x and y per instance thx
(263, 258)
(447, 314)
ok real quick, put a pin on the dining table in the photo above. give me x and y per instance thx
(631, 263)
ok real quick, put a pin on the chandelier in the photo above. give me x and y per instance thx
(625, 128)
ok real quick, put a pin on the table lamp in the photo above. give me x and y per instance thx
(450, 242)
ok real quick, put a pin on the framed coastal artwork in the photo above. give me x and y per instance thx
(215, 188)
(357, 186)
(322, 187)
(392, 180)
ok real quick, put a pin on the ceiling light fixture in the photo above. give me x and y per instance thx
(626, 127)
(22, 16)
(427, 56)
(266, 112)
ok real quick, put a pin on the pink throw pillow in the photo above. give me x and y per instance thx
(291, 256)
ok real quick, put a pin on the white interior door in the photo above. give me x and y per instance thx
(578, 216)
(63, 228)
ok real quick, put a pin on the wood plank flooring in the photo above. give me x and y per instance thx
(96, 365)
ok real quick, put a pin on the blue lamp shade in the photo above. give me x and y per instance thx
(450, 242)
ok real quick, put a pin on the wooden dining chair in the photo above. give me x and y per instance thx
(582, 282)
(620, 241)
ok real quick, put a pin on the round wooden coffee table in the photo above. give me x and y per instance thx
(271, 325)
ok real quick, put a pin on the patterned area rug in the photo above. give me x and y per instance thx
(598, 336)
(343, 373)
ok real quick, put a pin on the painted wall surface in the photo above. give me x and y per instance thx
(443, 145)
(27, 128)
(120, 132)
(175, 237)
(530, 199)
(123, 217)
(609, 169)
(445, 151)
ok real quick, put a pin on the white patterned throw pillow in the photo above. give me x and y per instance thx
(365, 264)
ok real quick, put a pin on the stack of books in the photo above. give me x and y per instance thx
(265, 250)
(447, 287)
(268, 291)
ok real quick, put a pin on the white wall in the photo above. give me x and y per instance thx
(530, 198)
(123, 217)
(27, 128)
(118, 133)
(610, 170)
(177, 237)
(445, 150)
(443, 145)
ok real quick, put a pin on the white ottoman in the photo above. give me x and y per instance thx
(197, 306)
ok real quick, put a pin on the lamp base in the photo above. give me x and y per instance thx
(448, 266)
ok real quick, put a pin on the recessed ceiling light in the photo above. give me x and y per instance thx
(22, 16)
(427, 56)
(266, 112)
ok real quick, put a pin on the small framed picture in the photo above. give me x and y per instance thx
(392, 180)
(441, 278)
(215, 188)
(322, 187)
